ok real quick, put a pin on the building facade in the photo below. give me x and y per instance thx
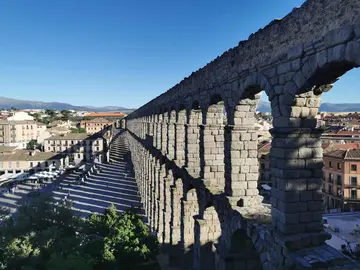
(18, 133)
(95, 125)
(78, 146)
(342, 179)
(14, 160)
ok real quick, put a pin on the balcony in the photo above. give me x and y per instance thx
(352, 186)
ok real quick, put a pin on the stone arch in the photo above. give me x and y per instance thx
(212, 142)
(242, 253)
(242, 245)
(207, 232)
(215, 110)
(241, 139)
(189, 209)
(171, 125)
(181, 120)
(296, 151)
(192, 138)
(177, 193)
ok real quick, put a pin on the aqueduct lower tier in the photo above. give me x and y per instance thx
(197, 167)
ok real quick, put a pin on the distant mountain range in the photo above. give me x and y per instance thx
(8, 103)
(264, 106)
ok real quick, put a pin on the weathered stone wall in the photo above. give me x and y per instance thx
(197, 166)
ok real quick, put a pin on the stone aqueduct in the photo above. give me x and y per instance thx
(197, 167)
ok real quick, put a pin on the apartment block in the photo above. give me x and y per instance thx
(342, 179)
(20, 128)
(78, 146)
(17, 133)
(14, 160)
(95, 125)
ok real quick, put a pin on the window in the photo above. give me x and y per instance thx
(53, 163)
(46, 164)
(38, 165)
(353, 180)
(263, 166)
(49, 148)
(78, 155)
(31, 164)
(339, 166)
(354, 194)
(353, 167)
(339, 180)
(331, 177)
(54, 149)
(330, 164)
(97, 148)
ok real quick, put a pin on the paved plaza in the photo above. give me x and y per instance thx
(113, 185)
(346, 223)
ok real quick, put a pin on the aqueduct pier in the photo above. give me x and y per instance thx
(197, 167)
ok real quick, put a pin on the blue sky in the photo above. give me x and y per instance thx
(124, 53)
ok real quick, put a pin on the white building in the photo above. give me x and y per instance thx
(20, 116)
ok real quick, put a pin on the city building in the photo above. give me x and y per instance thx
(60, 123)
(341, 136)
(20, 116)
(342, 179)
(19, 128)
(14, 160)
(78, 146)
(95, 125)
(18, 133)
(108, 115)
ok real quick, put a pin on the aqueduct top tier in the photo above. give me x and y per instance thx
(279, 48)
(187, 136)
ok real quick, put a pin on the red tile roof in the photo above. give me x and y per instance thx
(344, 132)
(105, 114)
(344, 154)
(340, 146)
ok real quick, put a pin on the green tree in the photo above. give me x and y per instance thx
(51, 113)
(42, 234)
(66, 114)
(32, 145)
(45, 235)
(78, 130)
(126, 239)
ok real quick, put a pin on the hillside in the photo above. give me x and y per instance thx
(264, 106)
(7, 103)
